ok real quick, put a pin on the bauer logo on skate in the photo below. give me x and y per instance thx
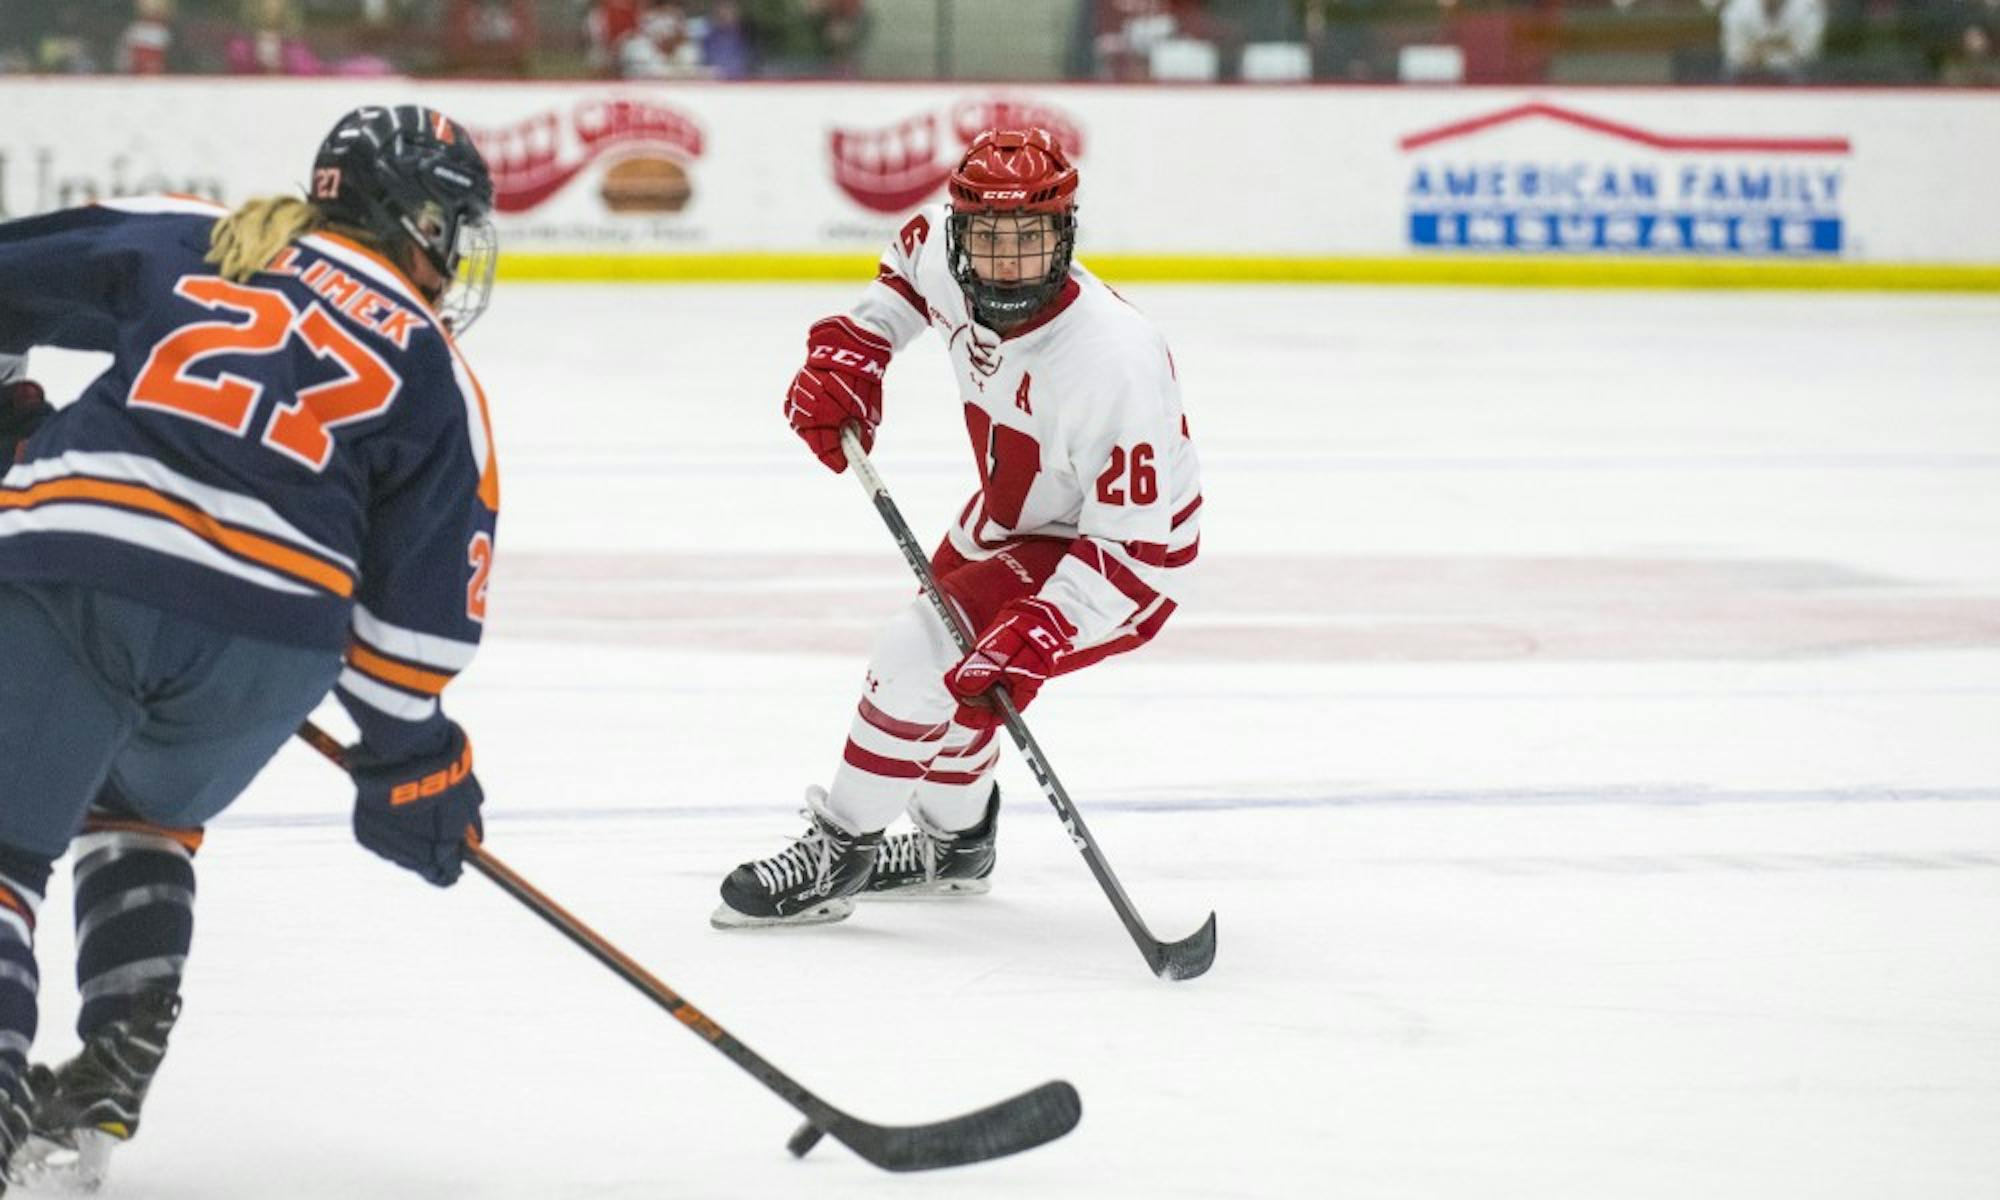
(533, 159)
(894, 169)
(1538, 178)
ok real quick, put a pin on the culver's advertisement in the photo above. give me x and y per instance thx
(885, 171)
(1255, 174)
(602, 168)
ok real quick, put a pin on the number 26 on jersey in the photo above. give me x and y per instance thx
(1130, 475)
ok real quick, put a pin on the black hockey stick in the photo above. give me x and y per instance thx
(1023, 1122)
(1185, 959)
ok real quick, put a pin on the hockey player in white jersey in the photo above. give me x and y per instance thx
(1072, 548)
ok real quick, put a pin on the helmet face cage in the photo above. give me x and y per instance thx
(411, 175)
(996, 303)
(1011, 173)
(475, 253)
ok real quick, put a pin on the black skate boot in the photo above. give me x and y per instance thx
(84, 1108)
(14, 1125)
(806, 883)
(928, 861)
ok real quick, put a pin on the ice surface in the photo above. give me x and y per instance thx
(1586, 734)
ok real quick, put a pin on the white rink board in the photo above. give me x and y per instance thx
(1864, 177)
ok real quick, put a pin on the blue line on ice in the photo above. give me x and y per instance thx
(1653, 796)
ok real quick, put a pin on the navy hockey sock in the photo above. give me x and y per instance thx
(134, 916)
(23, 876)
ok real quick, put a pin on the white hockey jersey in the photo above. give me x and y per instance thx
(1077, 431)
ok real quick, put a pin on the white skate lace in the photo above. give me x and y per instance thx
(908, 852)
(808, 857)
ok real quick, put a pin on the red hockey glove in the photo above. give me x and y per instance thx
(23, 408)
(1016, 653)
(841, 382)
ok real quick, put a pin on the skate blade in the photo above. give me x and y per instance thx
(936, 889)
(824, 913)
(55, 1169)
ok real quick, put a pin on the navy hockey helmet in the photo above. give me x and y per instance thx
(410, 174)
(1011, 173)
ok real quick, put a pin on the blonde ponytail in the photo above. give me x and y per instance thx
(245, 241)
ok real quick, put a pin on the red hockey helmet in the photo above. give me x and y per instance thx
(1009, 172)
(1014, 170)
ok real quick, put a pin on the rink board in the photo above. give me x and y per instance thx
(705, 182)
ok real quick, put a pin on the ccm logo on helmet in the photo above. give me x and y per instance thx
(1016, 194)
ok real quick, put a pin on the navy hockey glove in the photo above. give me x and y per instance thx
(23, 408)
(841, 382)
(419, 812)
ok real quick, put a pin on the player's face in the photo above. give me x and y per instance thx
(461, 295)
(1011, 247)
(427, 277)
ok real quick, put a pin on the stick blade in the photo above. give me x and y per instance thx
(1031, 1119)
(1191, 956)
(805, 1139)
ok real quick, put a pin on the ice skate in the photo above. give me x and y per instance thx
(14, 1124)
(83, 1109)
(928, 862)
(807, 883)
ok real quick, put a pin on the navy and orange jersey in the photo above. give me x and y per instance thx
(303, 457)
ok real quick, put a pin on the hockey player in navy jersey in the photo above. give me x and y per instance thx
(1074, 546)
(283, 483)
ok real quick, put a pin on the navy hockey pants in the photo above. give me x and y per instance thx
(103, 699)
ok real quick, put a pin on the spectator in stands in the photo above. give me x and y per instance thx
(272, 41)
(1345, 40)
(16, 37)
(609, 23)
(784, 46)
(493, 22)
(1771, 41)
(726, 48)
(1127, 31)
(492, 38)
(838, 27)
(143, 47)
(795, 38)
(1964, 40)
(666, 43)
(65, 47)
